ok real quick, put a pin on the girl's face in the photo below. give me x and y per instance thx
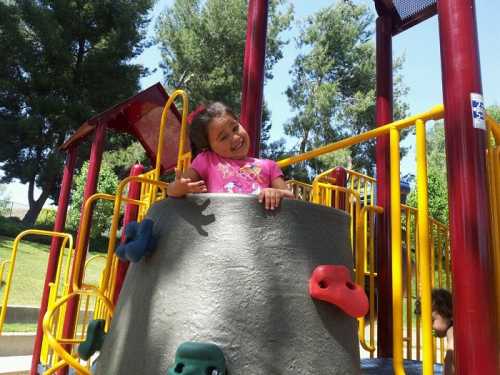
(227, 138)
(440, 324)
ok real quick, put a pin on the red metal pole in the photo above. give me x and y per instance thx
(253, 72)
(90, 188)
(384, 102)
(131, 211)
(62, 209)
(476, 349)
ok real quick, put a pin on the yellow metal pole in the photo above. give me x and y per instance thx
(409, 307)
(118, 198)
(418, 296)
(56, 344)
(435, 113)
(397, 279)
(13, 263)
(423, 238)
(185, 104)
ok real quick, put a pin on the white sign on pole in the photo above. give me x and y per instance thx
(477, 109)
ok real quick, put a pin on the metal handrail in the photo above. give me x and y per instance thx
(435, 113)
(56, 344)
(13, 256)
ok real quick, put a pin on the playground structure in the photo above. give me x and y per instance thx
(469, 257)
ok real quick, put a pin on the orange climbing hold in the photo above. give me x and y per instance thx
(333, 284)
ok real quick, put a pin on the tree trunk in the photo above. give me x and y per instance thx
(36, 206)
(303, 142)
(30, 217)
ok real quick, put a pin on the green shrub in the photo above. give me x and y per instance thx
(47, 216)
(12, 226)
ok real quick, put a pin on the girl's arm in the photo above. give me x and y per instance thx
(187, 182)
(272, 196)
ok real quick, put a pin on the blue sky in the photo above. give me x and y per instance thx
(421, 71)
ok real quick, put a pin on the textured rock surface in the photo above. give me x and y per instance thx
(228, 272)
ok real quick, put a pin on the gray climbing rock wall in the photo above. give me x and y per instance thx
(228, 272)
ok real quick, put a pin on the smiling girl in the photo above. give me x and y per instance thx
(221, 164)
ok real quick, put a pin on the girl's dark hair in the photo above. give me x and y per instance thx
(198, 129)
(442, 303)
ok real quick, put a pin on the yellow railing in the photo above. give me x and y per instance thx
(56, 342)
(152, 190)
(357, 200)
(435, 113)
(183, 156)
(366, 273)
(58, 288)
(146, 191)
(440, 266)
(493, 168)
(354, 200)
(67, 238)
(100, 307)
(392, 130)
(105, 290)
(300, 190)
(363, 185)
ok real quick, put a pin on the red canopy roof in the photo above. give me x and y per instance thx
(139, 116)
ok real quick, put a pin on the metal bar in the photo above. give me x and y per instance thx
(13, 257)
(475, 345)
(425, 269)
(130, 214)
(409, 322)
(396, 261)
(62, 209)
(90, 188)
(384, 115)
(54, 343)
(253, 72)
(434, 113)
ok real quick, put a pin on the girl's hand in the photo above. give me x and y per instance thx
(182, 186)
(272, 197)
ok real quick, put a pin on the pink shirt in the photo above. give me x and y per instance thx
(247, 176)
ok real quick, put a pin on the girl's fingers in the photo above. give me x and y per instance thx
(178, 174)
(278, 200)
(261, 196)
(269, 199)
(197, 187)
(274, 199)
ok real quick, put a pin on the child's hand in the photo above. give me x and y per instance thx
(272, 197)
(184, 185)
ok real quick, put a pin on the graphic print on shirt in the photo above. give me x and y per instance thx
(245, 179)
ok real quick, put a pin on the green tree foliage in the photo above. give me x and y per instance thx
(436, 170)
(333, 83)
(122, 159)
(4, 201)
(47, 217)
(437, 185)
(494, 111)
(62, 62)
(103, 211)
(203, 42)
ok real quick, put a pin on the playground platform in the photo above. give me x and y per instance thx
(383, 366)
(20, 365)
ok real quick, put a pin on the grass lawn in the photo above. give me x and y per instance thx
(29, 271)
(20, 327)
